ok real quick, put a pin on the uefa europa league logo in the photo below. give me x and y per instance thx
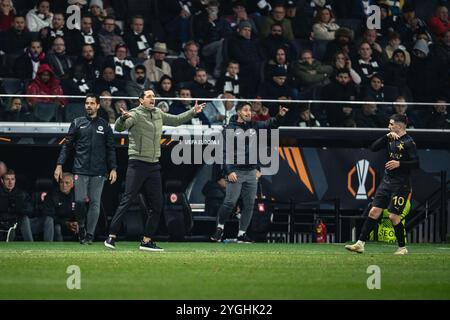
(362, 168)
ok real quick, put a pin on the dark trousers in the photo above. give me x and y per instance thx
(141, 174)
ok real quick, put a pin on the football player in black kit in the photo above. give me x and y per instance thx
(394, 190)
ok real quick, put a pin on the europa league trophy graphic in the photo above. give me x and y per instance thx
(362, 167)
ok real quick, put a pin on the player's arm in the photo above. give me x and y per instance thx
(66, 151)
(274, 122)
(379, 143)
(412, 161)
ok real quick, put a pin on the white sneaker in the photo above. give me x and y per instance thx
(401, 251)
(359, 248)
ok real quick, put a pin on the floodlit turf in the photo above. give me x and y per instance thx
(222, 271)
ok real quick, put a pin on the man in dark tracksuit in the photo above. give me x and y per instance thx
(60, 205)
(144, 125)
(90, 139)
(242, 180)
(395, 189)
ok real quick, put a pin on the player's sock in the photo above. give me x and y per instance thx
(220, 226)
(400, 234)
(241, 233)
(368, 226)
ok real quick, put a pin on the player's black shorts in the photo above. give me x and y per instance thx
(392, 195)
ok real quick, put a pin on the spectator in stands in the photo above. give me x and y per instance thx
(276, 40)
(343, 42)
(92, 63)
(301, 22)
(276, 86)
(27, 65)
(370, 36)
(395, 44)
(277, 15)
(324, 27)
(176, 18)
(120, 62)
(374, 89)
(108, 39)
(139, 82)
(106, 110)
(156, 65)
(440, 22)
(278, 60)
(15, 112)
(58, 59)
(3, 170)
(108, 82)
(184, 67)
(340, 61)
(309, 72)
(98, 14)
(17, 38)
(366, 65)
(229, 82)
(401, 107)
(442, 56)
(7, 13)
(396, 71)
(341, 88)
(210, 31)
(39, 17)
(137, 39)
(60, 206)
(368, 116)
(58, 29)
(87, 36)
(165, 89)
(181, 106)
(240, 14)
(243, 49)
(307, 119)
(77, 83)
(220, 112)
(387, 21)
(425, 74)
(409, 25)
(259, 111)
(439, 118)
(201, 87)
(15, 206)
(45, 83)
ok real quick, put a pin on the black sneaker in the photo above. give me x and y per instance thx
(217, 236)
(82, 236)
(149, 246)
(89, 239)
(244, 239)
(110, 243)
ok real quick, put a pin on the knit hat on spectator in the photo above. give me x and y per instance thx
(291, 4)
(159, 47)
(344, 32)
(244, 24)
(237, 3)
(408, 7)
(98, 3)
(398, 51)
(422, 45)
(83, 2)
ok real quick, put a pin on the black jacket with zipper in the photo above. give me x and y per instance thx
(91, 142)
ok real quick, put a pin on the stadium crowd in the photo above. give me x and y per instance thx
(279, 49)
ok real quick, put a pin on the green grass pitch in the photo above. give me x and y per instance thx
(222, 271)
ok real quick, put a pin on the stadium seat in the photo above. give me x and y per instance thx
(12, 86)
(8, 228)
(45, 112)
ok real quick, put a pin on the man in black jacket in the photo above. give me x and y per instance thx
(15, 206)
(90, 139)
(60, 205)
(241, 178)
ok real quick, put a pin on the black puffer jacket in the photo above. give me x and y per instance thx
(242, 149)
(91, 141)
